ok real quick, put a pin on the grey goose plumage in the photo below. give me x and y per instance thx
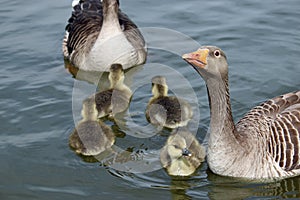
(99, 34)
(265, 143)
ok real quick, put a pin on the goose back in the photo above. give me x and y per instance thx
(84, 27)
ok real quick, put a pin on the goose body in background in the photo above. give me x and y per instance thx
(182, 154)
(117, 98)
(91, 136)
(99, 34)
(265, 143)
(164, 110)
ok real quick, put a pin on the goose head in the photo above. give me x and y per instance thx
(209, 62)
(159, 86)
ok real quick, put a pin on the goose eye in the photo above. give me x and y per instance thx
(176, 147)
(217, 53)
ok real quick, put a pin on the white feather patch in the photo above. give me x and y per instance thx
(75, 2)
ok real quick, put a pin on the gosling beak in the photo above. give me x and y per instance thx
(197, 59)
(186, 152)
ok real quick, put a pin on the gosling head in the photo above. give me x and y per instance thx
(116, 75)
(177, 148)
(89, 110)
(159, 86)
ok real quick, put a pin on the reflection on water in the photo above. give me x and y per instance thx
(230, 188)
(179, 189)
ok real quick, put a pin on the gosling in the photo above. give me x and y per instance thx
(167, 111)
(182, 153)
(91, 136)
(116, 99)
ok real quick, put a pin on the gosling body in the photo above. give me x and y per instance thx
(182, 154)
(164, 110)
(117, 98)
(91, 136)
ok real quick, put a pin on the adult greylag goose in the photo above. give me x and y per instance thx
(99, 34)
(117, 98)
(164, 110)
(91, 136)
(182, 154)
(265, 143)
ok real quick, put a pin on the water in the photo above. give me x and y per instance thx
(261, 40)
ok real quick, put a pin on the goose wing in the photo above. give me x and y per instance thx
(83, 26)
(131, 31)
(278, 122)
(284, 142)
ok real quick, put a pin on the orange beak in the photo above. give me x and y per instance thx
(197, 58)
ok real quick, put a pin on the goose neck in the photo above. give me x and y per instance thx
(221, 123)
(110, 11)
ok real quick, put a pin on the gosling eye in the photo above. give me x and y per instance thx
(217, 53)
(176, 147)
